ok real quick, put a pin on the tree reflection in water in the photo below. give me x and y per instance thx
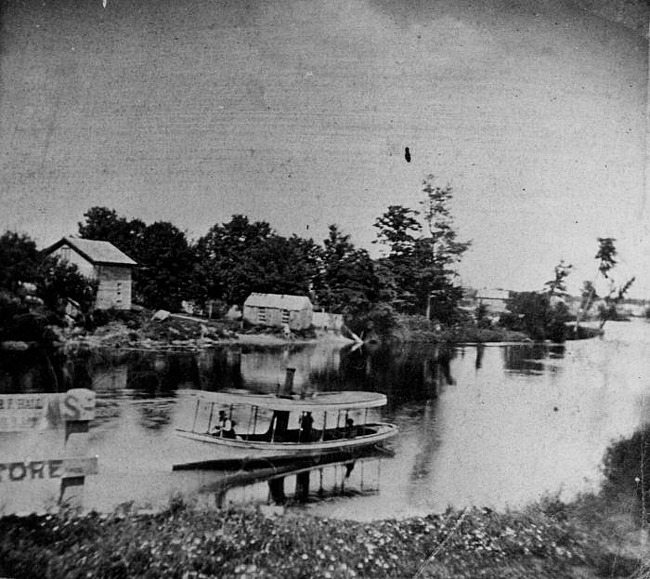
(414, 372)
(531, 359)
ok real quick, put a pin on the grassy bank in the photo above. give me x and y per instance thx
(419, 329)
(548, 541)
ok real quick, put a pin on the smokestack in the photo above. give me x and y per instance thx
(288, 382)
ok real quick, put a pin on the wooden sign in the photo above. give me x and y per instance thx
(22, 412)
(47, 469)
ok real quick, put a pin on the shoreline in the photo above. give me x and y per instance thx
(178, 333)
(548, 540)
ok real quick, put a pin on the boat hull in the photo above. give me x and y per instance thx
(241, 449)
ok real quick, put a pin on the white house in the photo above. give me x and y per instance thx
(102, 261)
(278, 310)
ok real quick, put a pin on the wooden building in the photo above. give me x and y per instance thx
(328, 321)
(102, 261)
(496, 300)
(278, 310)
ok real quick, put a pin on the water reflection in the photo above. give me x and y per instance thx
(494, 425)
(36, 370)
(298, 484)
(532, 358)
(403, 373)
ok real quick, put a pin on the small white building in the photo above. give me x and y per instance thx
(102, 261)
(277, 310)
(495, 299)
(327, 321)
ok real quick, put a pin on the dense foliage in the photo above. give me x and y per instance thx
(538, 315)
(548, 541)
(35, 291)
(417, 271)
(545, 315)
(414, 275)
(238, 257)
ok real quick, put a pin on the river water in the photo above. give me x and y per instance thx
(496, 425)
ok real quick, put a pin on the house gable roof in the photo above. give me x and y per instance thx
(96, 252)
(281, 302)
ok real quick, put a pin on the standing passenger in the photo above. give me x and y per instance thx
(306, 423)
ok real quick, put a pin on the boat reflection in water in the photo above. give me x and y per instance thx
(299, 482)
(321, 441)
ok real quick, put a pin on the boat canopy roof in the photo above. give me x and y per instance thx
(316, 402)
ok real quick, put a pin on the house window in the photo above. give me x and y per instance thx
(285, 316)
(118, 293)
(261, 316)
(65, 254)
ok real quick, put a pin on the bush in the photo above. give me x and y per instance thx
(536, 315)
(59, 281)
(132, 319)
(380, 321)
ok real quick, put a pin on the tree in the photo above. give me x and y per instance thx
(347, 282)
(535, 315)
(587, 297)
(103, 224)
(19, 260)
(608, 311)
(240, 257)
(59, 281)
(420, 269)
(398, 231)
(285, 265)
(224, 270)
(440, 223)
(557, 286)
(398, 227)
(527, 312)
(481, 314)
(166, 260)
(606, 256)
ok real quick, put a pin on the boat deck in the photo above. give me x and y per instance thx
(296, 435)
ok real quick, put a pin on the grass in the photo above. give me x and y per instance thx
(549, 541)
(414, 328)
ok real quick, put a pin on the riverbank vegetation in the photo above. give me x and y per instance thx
(382, 298)
(414, 275)
(549, 540)
(35, 291)
(603, 535)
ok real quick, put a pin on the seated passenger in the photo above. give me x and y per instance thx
(226, 426)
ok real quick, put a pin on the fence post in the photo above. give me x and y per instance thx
(78, 411)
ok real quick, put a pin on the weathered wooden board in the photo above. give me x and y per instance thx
(32, 470)
(22, 412)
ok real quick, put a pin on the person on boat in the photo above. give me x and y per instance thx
(306, 424)
(226, 426)
(229, 431)
(350, 430)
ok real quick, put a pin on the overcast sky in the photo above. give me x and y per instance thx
(298, 113)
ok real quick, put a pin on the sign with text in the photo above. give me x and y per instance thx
(21, 412)
(47, 469)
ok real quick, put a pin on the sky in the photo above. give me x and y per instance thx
(298, 113)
